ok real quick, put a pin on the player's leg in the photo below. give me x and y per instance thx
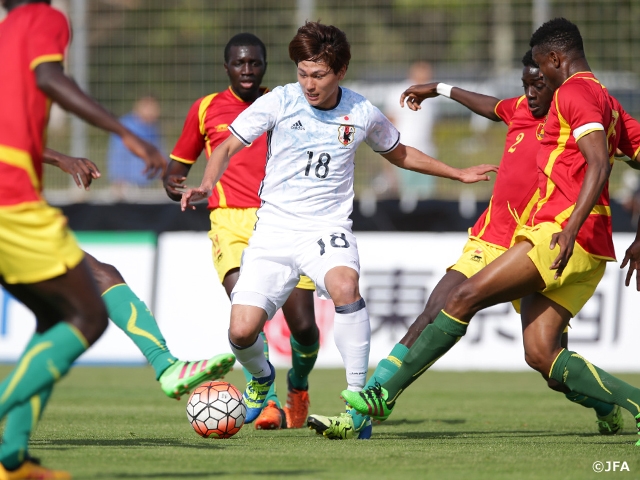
(541, 320)
(509, 277)
(299, 313)
(134, 318)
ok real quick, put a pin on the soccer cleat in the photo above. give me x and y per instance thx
(271, 417)
(32, 470)
(612, 423)
(638, 427)
(371, 401)
(340, 427)
(182, 377)
(255, 394)
(297, 407)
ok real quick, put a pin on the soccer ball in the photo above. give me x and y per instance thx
(216, 409)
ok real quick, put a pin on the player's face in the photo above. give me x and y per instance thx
(538, 94)
(245, 69)
(320, 84)
(549, 67)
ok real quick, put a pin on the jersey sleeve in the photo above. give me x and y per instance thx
(191, 142)
(580, 109)
(505, 109)
(381, 135)
(260, 117)
(49, 38)
(629, 142)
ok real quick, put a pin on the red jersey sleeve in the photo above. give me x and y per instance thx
(629, 142)
(507, 107)
(192, 140)
(48, 38)
(577, 105)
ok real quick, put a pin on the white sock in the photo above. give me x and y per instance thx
(252, 358)
(352, 334)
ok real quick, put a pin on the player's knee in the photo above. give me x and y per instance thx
(461, 301)
(305, 333)
(92, 321)
(537, 360)
(242, 334)
(345, 291)
(106, 275)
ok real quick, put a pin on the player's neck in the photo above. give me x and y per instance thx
(19, 3)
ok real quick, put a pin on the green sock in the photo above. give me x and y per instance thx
(47, 359)
(303, 358)
(271, 395)
(133, 317)
(434, 341)
(21, 421)
(583, 377)
(602, 409)
(388, 366)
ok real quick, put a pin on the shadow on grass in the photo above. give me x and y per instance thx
(500, 434)
(132, 442)
(406, 421)
(210, 474)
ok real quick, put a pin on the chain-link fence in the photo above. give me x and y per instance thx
(173, 49)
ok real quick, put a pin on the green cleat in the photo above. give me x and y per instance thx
(612, 423)
(638, 427)
(340, 427)
(371, 401)
(182, 377)
(256, 393)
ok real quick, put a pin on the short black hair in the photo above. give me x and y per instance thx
(527, 60)
(558, 33)
(244, 40)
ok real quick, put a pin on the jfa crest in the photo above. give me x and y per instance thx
(346, 134)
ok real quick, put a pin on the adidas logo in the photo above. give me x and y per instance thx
(297, 126)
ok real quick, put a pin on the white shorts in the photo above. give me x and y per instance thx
(273, 262)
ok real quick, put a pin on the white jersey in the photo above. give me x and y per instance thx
(308, 183)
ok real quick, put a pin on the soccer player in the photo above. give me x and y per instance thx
(314, 127)
(233, 208)
(571, 220)
(40, 262)
(514, 194)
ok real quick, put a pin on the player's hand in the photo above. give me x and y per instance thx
(415, 94)
(82, 170)
(477, 173)
(174, 186)
(193, 195)
(565, 239)
(632, 257)
(155, 163)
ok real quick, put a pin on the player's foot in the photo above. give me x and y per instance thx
(297, 407)
(638, 427)
(271, 417)
(371, 401)
(612, 423)
(182, 377)
(340, 427)
(255, 394)
(32, 470)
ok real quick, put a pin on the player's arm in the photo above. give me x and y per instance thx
(483, 105)
(82, 170)
(632, 257)
(593, 147)
(63, 90)
(411, 159)
(174, 179)
(217, 164)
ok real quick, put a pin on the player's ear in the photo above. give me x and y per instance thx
(342, 72)
(555, 59)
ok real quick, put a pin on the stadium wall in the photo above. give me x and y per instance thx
(173, 274)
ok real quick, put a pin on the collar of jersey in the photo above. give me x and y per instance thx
(335, 106)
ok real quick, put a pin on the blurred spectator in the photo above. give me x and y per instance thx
(416, 130)
(125, 170)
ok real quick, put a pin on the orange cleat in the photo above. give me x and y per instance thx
(297, 408)
(32, 470)
(271, 418)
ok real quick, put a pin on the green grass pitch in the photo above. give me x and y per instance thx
(115, 423)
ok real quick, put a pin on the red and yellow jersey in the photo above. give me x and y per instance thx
(205, 128)
(580, 106)
(516, 187)
(31, 34)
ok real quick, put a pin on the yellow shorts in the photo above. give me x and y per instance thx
(230, 231)
(579, 279)
(476, 255)
(35, 243)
